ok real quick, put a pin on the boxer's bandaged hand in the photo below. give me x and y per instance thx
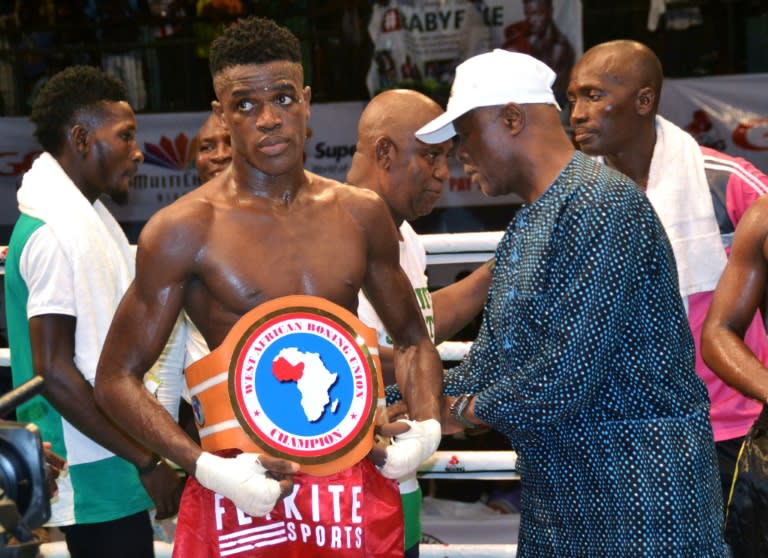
(410, 449)
(241, 479)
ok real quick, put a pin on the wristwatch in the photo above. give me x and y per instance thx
(154, 463)
(459, 407)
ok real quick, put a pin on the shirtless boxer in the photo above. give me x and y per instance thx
(263, 229)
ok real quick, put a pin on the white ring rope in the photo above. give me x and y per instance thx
(460, 248)
(449, 351)
(468, 550)
(457, 248)
(470, 465)
(450, 243)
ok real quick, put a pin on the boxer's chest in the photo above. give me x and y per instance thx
(260, 260)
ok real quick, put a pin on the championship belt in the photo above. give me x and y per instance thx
(297, 377)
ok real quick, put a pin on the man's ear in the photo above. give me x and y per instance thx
(79, 136)
(307, 96)
(513, 117)
(645, 100)
(384, 152)
(218, 111)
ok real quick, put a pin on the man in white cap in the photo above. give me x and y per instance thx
(584, 359)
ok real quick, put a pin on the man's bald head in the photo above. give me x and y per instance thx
(395, 112)
(614, 94)
(407, 173)
(627, 63)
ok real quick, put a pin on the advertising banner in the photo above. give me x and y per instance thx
(168, 142)
(727, 113)
(724, 112)
(419, 43)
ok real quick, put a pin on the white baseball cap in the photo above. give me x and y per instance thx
(493, 78)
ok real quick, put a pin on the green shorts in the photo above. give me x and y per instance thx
(412, 517)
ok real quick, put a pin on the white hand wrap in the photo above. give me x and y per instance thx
(241, 479)
(410, 449)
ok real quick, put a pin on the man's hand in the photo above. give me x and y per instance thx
(164, 486)
(253, 482)
(384, 433)
(56, 465)
(450, 426)
(411, 448)
(398, 410)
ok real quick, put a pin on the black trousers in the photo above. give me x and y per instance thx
(127, 537)
(727, 455)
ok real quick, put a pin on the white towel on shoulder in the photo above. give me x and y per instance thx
(679, 192)
(95, 246)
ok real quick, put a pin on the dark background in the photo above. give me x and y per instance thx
(40, 37)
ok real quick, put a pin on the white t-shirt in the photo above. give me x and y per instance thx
(413, 260)
(48, 275)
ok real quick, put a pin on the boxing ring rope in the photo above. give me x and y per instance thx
(453, 250)
(442, 250)
(470, 465)
(468, 550)
(475, 465)
(163, 550)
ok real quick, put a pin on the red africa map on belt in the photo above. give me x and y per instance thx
(285, 371)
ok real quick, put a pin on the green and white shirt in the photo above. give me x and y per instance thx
(39, 280)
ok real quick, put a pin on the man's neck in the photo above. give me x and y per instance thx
(72, 167)
(635, 160)
(281, 188)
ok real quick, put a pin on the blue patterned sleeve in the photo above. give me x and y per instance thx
(470, 375)
(597, 259)
(392, 393)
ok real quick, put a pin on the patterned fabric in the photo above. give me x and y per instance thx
(586, 362)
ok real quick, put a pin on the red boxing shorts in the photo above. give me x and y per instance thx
(356, 513)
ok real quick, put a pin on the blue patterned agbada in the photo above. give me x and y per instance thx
(585, 361)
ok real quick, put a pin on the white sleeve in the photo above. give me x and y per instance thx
(165, 378)
(48, 275)
(369, 317)
(412, 248)
(196, 346)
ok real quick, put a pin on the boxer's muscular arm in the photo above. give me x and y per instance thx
(139, 331)
(740, 293)
(418, 368)
(454, 306)
(168, 248)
